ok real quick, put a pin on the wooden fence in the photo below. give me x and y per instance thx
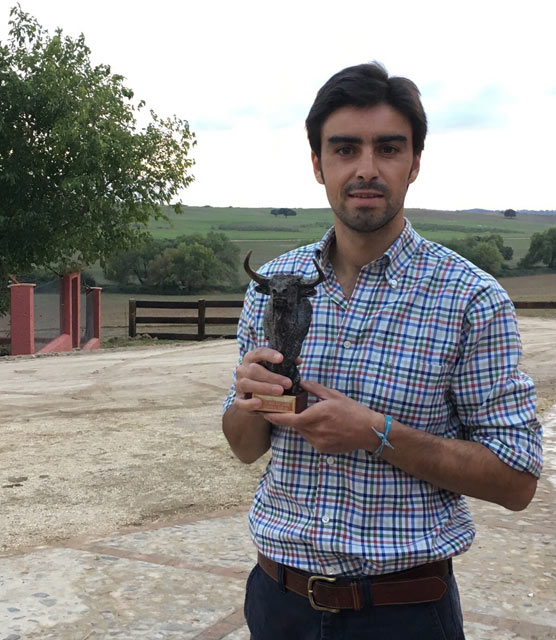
(201, 319)
(523, 304)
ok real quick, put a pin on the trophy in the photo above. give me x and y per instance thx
(287, 317)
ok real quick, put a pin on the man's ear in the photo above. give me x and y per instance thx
(414, 168)
(317, 167)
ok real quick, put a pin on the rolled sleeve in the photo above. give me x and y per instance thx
(246, 339)
(495, 401)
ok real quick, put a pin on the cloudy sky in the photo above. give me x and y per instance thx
(244, 74)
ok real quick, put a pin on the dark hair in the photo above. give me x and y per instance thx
(366, 85)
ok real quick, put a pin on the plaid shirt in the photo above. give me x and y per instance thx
(427, 338)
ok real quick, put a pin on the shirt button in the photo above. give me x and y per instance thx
(393, 283)
(326, 519)
(331, 460)
(331, 571)
(347, 344)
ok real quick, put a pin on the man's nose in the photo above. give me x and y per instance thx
(367, 167)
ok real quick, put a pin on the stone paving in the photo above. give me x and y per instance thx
(180, 581)
(186, 579)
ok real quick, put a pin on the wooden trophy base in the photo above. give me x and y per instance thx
(283, 404)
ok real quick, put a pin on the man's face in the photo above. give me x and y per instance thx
(366, 165)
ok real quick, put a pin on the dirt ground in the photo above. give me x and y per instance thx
(94, 442)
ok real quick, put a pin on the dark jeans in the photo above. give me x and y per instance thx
(273, 613)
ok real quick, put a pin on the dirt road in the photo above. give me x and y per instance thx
(93, 442)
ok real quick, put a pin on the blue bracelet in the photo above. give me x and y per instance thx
(383, 436)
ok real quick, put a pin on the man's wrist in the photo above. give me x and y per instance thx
(379, 428)
(384, 442)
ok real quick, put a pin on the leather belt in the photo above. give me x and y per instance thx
(420, 584)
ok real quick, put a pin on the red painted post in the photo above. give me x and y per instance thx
(65, 304)
(22, 319)
(70, 307)
(97, 312)
(94, 319)
(75, 309)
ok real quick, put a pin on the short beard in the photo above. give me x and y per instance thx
(368, 219)
(365, 221)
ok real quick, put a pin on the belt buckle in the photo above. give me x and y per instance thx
(311, 596)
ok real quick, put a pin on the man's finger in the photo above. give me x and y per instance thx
(247, 385)
(319, 390)
(287, 419)
(263, 354)
(256, 372)
(248, 404)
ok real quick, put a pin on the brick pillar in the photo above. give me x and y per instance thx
(93, 318)
(22, 319)
(70, 307)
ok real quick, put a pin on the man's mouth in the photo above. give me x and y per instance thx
(366, 198)
(366, 195)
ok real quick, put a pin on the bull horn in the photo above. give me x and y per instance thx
(318, 280)
(253, 274)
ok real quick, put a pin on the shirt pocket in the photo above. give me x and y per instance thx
(411, 388)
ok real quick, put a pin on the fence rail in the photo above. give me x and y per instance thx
(523, 304)
(202, 320)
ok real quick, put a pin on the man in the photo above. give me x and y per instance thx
(416, 399)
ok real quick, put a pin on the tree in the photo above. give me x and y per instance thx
(227, 254)
(507, 253)
(164, 263)
(541, 249)
(132, 265)
(483, 251)
(283, 212)
(79, 179)
(487, 256)
(510, 213)
(189, 267)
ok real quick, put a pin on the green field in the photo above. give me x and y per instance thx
(268, 236)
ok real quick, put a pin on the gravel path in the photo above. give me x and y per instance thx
(93, 442)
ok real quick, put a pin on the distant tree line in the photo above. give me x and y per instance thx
(186, 264)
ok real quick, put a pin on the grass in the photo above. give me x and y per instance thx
(267, 236)
(256, 229)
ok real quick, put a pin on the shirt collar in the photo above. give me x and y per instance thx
(395, 259)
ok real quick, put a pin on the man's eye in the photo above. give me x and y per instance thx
(388, 149)
(344, 151)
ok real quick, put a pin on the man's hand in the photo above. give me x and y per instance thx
(253, 377)
(246, 430)
(336, 424)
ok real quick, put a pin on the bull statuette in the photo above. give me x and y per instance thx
(287, 317)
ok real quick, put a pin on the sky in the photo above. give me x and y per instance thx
(245, 73)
